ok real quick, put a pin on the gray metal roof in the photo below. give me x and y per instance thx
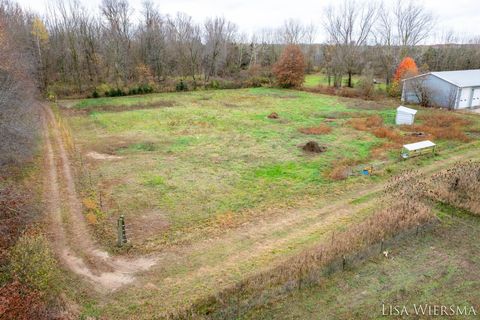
(460, 78)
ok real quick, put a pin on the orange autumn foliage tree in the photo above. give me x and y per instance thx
(406, 68)
(290, 68)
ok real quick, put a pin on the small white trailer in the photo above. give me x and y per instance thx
(418, 148)
(405, 115)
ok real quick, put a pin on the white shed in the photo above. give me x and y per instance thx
(405, 115)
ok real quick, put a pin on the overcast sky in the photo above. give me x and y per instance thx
(462, 16)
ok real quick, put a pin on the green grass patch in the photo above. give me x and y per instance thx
(218, 151)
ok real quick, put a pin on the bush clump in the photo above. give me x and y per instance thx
(181, 86)
(32, 263)
(290, 68)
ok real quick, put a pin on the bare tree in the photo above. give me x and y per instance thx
(151, 36)
(117, 34)
(18, 115)
(184, 38)
(218, 32)
(349, 26)
(413, 23)
(292, 32)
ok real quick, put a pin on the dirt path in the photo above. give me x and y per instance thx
(72, 240)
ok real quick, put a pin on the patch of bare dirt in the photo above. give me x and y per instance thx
(231, 105)
(368, 104)
(102, 156)
(314, 147)
(146, 225)
(273, 115)
(72, 241)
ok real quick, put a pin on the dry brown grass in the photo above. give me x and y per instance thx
(387, 133)
(381, 151)
(443, 126)
(321, 89)
(366, 124)
(342, 92)
(404, 210)
(458, 186)
(339, 172)
(321, 129)
(18, 301)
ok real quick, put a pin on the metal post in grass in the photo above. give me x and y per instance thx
(122, 235)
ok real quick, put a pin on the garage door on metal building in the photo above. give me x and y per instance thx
(476, 97)
(464, 98)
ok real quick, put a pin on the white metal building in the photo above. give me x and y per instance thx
(451, 89)
(405, 115)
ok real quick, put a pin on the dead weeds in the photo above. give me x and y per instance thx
(321, 129)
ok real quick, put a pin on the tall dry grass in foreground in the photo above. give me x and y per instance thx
(458, 186)
(403, 207)
(406, 204)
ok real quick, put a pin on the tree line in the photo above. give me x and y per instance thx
(77, 51)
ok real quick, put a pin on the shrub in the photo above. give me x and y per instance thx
(214, 84)
(181, 86)
(290, 68)
(349, 92)
(339, 172)
(102, 88)
(32, 263)
(366, 87)
(145, 88)
(95, 94)
(393, 89)
(17, 301)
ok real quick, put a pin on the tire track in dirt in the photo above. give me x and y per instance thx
(72, 241)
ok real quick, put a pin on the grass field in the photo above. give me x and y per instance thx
(214, 153)
(220, 191)
(316, 79)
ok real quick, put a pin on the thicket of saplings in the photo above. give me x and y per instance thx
(406, 206)
(181, 86)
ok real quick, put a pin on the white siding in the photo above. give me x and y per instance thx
(404, 118)
(464, 101)
(476, 97)
(441, 92)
